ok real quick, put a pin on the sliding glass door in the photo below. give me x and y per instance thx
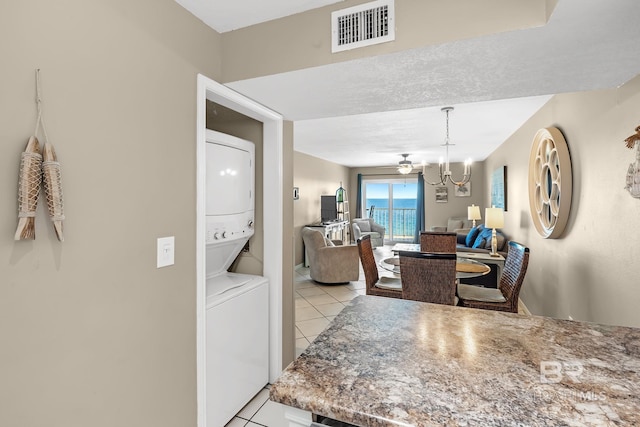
(392, 203)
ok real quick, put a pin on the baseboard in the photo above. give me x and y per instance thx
(522, 309)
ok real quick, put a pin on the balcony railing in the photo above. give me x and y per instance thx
(404, 222)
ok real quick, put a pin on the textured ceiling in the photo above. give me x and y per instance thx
(366, 112)
(377, 139)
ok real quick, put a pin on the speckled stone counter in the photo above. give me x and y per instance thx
(385, 361)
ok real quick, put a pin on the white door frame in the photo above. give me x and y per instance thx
(272, 215)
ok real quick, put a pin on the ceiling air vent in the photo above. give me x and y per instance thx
(362, 25)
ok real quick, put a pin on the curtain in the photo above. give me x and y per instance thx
(419, 209)
(359, 197)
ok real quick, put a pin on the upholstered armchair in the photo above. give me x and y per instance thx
(329, 263)
(368, 227)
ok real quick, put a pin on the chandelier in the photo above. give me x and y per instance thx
(443, 170)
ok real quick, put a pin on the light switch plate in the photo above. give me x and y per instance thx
(166, 251)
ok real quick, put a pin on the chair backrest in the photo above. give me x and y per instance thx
(515, 267)
(368, 261)
(438, 242)
(313, 240)
(367, 221)
(428, 277)
(355, 227)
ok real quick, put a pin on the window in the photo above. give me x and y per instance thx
(392, 203)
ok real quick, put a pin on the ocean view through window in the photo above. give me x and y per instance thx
(394, 206)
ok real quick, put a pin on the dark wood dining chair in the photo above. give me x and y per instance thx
(428, 277)
(438, 242)
(505, 298)
(375, 285)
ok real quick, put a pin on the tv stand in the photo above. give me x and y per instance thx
(334, 230)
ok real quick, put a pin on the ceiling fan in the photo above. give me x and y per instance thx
(405, 166)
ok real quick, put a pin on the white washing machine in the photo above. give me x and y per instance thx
(237, 343)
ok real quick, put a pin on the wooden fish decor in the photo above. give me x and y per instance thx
(37, 167)
(29, 182)
(53, 188)
(633, 173)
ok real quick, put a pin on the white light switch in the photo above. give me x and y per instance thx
(166, 251)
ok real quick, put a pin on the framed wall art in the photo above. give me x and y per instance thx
(463, 190)
(499, 188)
(442, 196)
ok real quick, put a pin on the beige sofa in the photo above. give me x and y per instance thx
(329, 263)
(502, 243)
(457, 225)
(462, 227)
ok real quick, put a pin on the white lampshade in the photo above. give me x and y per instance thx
(473, 212)
(405, 169)
(494, 217)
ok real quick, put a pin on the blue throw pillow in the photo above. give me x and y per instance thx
(472, 235)
(483, 237)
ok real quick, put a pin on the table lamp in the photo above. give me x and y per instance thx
(473, 213)
(494, 218)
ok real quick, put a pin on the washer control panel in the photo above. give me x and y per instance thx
(226, 228)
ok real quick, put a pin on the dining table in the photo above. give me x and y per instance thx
(393, 362)
(465, 268)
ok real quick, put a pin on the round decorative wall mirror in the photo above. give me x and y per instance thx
(550, 182)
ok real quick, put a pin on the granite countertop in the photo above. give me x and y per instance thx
(385, 361)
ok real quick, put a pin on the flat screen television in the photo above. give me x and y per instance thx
(328, 208)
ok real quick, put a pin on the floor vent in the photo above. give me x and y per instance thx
(362, 25)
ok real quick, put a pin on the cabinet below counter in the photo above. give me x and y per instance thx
(391, 362)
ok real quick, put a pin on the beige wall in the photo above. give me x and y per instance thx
(591, 272)
(314, 177)
(435, 213)
(439, 213)
(288, 255)
(304, 40)
(92, 333)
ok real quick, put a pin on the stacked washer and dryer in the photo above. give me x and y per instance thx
(237, 312)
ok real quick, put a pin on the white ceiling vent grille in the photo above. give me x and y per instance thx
(362, 25)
